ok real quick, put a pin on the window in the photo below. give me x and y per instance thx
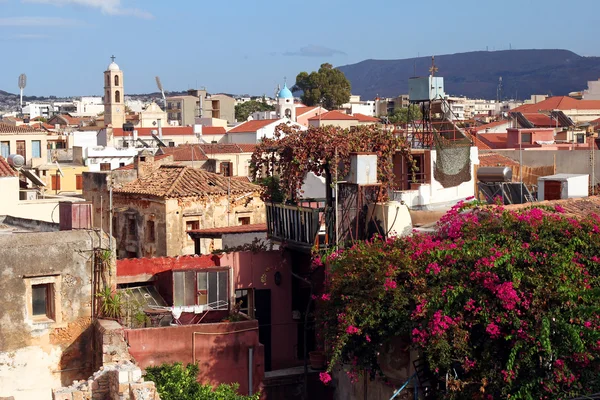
(226, 168)
(117, 96)
(21, 148)
(245, 299)
(131, 226)
(43, 298)
(107, 80)
(208, 287)
(192, 225)
(244, 220)
(36, 148)
(104, 166)
(150, 233)
(107, 97)
(121, 164)
(116, 80)
(5, 148)
(55, 182)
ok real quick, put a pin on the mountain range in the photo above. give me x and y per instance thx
(476, 74)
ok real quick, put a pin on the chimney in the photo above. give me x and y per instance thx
(143, 163)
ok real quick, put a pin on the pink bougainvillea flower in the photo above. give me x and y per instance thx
(390, 284)
(325, 297)
(368, 338)
(493, 330)
(325, 377)
(351, 330)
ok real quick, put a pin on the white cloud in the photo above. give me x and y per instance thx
(108, 7)
(38, 21)
(29, 36)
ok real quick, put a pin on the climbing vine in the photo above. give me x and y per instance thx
(325, 151)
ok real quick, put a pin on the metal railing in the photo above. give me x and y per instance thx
(295, 225)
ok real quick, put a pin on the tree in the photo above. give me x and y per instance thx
(499, 304)
(405, 115)
(244, 110)
(176, 382)
(328, 87)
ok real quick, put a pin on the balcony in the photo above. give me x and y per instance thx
(300, 227)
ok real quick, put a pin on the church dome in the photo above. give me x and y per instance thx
(113, 67)
(285, 93)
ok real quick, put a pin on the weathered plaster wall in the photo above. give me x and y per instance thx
(221, 350)
(212, 212)
(37, 355)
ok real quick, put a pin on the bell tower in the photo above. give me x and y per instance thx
(285, 104)
(114, 103)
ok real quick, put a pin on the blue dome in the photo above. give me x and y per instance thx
(285, 93)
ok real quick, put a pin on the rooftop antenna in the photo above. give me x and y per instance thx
(22, 84)
(433, 69)
(162, 91)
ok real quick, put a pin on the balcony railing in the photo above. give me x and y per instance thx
(297, 226)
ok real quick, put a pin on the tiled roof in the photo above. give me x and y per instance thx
(6, 128)
(303, 110)
(333, 116)
(166, 131)
(247, 147)
(219, 148)
(6, 171)
(213, 130)
(476, 141)
(365, 118)
(577, 208)
(559, 103)
(494, 160)
(186, 152)
(174, 181)
(540, 120)
(252, 126)
(494, 124)
(494, 140)
(231, 229)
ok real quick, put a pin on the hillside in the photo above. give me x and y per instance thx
(475, 74)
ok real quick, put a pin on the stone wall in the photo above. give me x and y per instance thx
(40, 351)
(117, 376)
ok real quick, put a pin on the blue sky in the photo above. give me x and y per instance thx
(246, 46)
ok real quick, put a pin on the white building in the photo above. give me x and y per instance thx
(356, 106)
(88, 107)
(593, 91)
(102, 158)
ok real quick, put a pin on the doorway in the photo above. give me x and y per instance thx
(262, 304)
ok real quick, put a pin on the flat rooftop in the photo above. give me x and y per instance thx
(11, 225)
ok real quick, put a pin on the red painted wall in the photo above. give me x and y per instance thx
(131, 267)
(220, 349)
(250, 270)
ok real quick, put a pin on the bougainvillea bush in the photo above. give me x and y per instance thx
(501, 304)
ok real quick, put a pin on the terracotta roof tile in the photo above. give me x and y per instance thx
(333, 116)
(492, 125)
(541, 120)
(185, 153)
(494, 160)
(303, 110)
(6, 171)
(166, 131)
(247, 147)
(174, 181)
(577, 208)
(232, 229)
(213, 130)
(6, 128)
(559, 103)
(252, 126)
(365, 118)
(219, 148)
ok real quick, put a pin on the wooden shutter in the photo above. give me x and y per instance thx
(55, 182)
(79, 182)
